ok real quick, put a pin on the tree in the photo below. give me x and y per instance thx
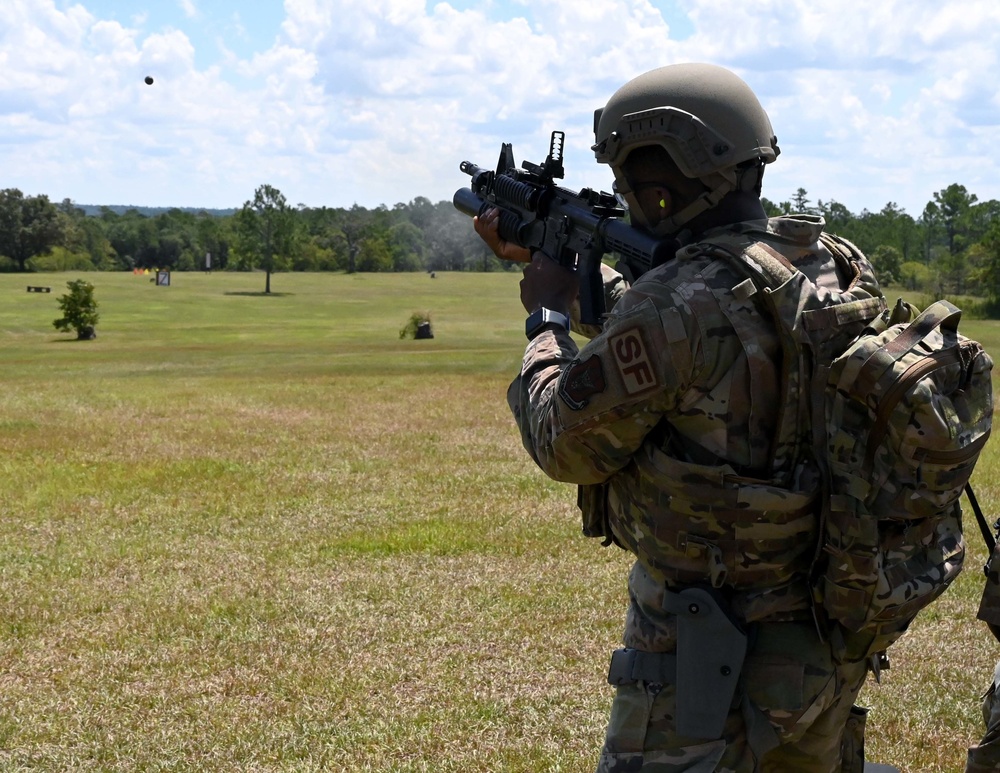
(355, 226)
(770, 208)
(452, 244)
(887, 261)
(406, 242)
(891, 227)
(989, 273)
(29, 226)
(914, 275)
(79, 310)
(953, 204)
(836, 215)
(83, 244)
(211, 241)
(266, 231)
(800, 202)
(421, 212)
(374, 255)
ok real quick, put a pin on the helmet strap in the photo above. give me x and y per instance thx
(703, 203)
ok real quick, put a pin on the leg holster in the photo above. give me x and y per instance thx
(710, 653)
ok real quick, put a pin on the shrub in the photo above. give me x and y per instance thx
(61, 259)
(417, 319)
(79, 310)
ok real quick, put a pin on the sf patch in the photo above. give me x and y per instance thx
(632, 358)
(581, 381)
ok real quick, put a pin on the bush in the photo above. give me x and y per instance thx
(61, 259)
(917, 276)
(79, 310)
(417, 319)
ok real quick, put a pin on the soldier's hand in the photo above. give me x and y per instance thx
(548, 284)
(488, 227)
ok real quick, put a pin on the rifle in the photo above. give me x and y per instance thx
(576, 229)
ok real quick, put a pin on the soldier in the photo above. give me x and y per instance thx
(666, 420)
(985, 756)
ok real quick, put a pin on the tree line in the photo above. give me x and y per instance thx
(266, 233)
(951, 248)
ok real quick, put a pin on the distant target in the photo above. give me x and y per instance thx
(149, 80)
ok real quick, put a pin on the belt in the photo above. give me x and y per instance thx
(629, 666)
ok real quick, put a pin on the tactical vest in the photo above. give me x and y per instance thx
(696, 521)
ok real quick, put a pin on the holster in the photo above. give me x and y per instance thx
(852, 745)
(710, 652)
(593, 503)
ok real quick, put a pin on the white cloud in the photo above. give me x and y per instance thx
(378, 102)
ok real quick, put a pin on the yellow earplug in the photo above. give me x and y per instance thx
(663, 204)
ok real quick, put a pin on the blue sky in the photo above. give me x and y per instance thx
(339, 102)
(212, 27)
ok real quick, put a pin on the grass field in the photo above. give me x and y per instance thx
(263, 533)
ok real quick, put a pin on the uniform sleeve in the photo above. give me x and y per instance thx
(583, 413)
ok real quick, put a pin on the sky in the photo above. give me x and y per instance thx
(342, 102)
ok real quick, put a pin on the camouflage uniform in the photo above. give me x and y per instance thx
(666, 419)
(985, 755)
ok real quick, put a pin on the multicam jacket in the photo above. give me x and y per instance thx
(667, 418)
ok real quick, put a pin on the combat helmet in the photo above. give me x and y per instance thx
(705, 116)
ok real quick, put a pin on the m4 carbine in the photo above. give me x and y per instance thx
(576, 229)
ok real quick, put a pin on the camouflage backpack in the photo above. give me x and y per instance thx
(895, 419)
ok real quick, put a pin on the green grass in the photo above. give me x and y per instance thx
(264, 533)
